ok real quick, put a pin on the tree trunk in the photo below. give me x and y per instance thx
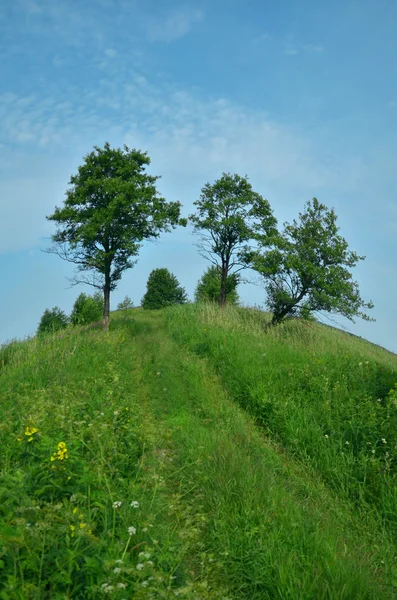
(106, 308)
(223, 293)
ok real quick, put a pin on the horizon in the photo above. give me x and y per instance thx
(302, 99)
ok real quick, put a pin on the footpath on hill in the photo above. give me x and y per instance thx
(135, 476)
(253, 520)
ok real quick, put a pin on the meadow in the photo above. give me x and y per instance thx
(191, 453)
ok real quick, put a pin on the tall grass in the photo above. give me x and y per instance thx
(326, 397)
(127, 471)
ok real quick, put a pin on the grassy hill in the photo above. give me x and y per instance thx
(186, 454)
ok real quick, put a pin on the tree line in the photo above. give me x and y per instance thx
(112, 206)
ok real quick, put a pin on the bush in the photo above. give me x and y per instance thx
(163, 289)
(87, 309)
(209, 287)
(52, 320)
(125, 304)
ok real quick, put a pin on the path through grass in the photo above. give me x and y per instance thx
(128, 472)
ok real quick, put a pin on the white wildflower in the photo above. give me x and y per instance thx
(384, 441)
(122, 586)
(116, 412)
(145, 583)
(144, 529)
(347, 443)
(150, 563)
(140, 566)
(117, 504)
(117, 570)
(134, 504)
(131, 530)
(326, 436)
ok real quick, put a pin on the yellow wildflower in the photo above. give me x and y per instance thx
(61, 453)
(29, 431)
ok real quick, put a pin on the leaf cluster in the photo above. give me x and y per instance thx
(163, 289)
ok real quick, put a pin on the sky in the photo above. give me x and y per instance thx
(299, 96)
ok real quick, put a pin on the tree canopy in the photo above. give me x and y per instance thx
(87, 309)
(111, 207)
(209, 286)
(228, 215)
(52, 319)
(307, 269)
(163, 289)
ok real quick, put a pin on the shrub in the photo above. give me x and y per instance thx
(163, 289)
(87, 309)
(52, 320)
(125, 304)
(209, 287)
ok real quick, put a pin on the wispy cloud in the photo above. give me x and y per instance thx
(189, 139)
(264, 37)
(173, 26)
(291, 49)
(312, 47)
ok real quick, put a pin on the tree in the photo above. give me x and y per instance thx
(125, 304)
(209, 286)
(52, 319)
(111, 206)
(87, 309)
(307, 269)
(228, 214)
(163, 289)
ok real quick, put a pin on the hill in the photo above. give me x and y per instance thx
(185, 453)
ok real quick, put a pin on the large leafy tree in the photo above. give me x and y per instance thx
(111, 207)
(163, 289)
(307, 270)
(209, 286)
(228, 214)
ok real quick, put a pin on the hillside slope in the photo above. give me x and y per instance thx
(131, 469)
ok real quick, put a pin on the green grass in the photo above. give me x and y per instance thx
(216, 432)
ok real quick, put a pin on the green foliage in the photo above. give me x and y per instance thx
(307, 269)
(52, 319)
(208, 288)
(228, 215)
(87, 309)
(128, 470)
(111, 207)
(163, 289)
(327, 398)
(125, 304)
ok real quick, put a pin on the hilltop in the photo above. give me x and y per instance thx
(186, 453)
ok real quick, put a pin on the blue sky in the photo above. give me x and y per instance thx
(300, 96)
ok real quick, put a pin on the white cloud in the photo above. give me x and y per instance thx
(173, 26)
(190, 141)
(264, 37)
(292, 49)
(111, 52)
(312, 47)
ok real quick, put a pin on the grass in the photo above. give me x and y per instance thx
(184, 454)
